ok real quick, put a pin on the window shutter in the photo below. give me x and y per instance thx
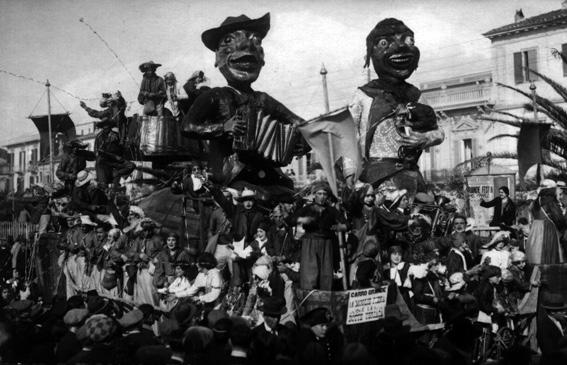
(518, 73)
(532, 64)
(564, 51)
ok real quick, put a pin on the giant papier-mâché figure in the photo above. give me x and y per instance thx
(393, 128)
(250, 133)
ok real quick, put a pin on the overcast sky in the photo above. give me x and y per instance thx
(44, 39)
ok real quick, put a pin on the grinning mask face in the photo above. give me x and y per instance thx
(240, 57)
(391, 47)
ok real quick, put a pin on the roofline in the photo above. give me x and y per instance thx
(553, 24)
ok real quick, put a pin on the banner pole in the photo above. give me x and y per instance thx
(339, 232)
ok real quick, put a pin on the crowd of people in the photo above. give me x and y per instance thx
(135, 294)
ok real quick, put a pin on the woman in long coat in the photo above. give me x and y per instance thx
(543, 246)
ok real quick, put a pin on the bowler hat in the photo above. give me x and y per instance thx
(212, 37)
(273, 306)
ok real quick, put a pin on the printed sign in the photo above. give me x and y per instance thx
(365, 305)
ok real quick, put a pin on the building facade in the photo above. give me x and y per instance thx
(528, 43)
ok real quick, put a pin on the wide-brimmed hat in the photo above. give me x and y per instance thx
(75, 143)
(553, 301)
(150, 64)
(456, 282)
(247, 194)
(211, 37)
(273, 306)
(83, 177)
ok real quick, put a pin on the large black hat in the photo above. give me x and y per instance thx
(273, 306)
(212, 36)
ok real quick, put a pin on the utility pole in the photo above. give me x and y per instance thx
(323, 73)
(51, 171)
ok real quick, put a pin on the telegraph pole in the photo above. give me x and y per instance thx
(51, 171)
(323, 73)
(539, 171)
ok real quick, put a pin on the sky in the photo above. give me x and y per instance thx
(45, 39)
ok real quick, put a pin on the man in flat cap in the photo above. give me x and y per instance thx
(393, 128)
(221, 114)
(153, 92)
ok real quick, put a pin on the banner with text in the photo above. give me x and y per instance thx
(365, 305)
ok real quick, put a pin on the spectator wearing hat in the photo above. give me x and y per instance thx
(133, 337)
(552, 323)
(245, 222)
(264, 336)
(320, 221)
(498, 252)
(543, 244)
(520, 285)
(153, 91)
(87, 197)
(504, 209)
(100, 331)
(391, 218)
(209, 281)
(319, 341)
(459, 303)
(69, 344)
(267, 283)
(490, 309)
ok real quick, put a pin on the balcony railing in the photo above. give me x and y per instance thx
(448, 98)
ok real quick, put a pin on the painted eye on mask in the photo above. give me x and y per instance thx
(383, 43)
(409, 41)
(227, 40)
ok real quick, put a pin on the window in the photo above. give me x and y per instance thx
(12, 161)
(34, 155)
(564, 52)
(22, 160)
(467, 149)
(523, 62)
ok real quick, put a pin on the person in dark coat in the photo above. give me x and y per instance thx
(504, 209)
(486, 294)
(263, 347)
(459, 258)
(319, 342)
(69, 344)
(552, 323)
(240, 338)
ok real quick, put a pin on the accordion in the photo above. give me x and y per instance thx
(266, 139)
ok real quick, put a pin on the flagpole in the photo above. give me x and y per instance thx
(51, 171)
(339, 232)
